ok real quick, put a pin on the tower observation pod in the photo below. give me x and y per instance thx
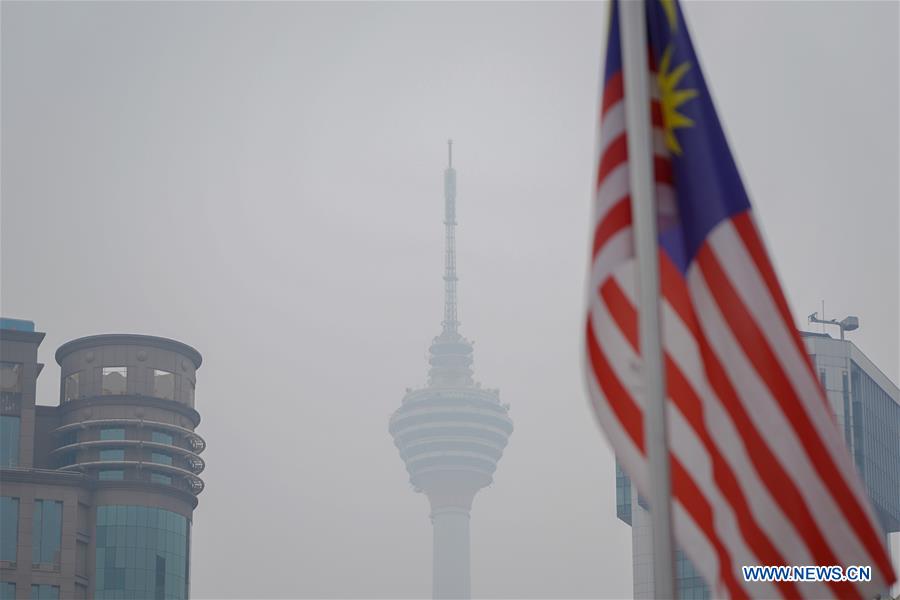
(452, 432)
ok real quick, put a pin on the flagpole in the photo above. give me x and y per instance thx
(633, 27)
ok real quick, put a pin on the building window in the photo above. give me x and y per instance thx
(46, 532)
(688, 581)
(623, 495)
(876, 429)
(112, 433)
(10, 378)
(190, 392)
(111, 475)
(160, 478)
(163, 384)
(160, 582)
(845, 394)
(7, 590)
(160, 458)
(69, 458)
(114, 380)
(44, 592)
(142, 552)
(115, 454)
(81, 558)
(72, 387)
(161, 438)
(9, 441)
(9, 528)
(82, 520)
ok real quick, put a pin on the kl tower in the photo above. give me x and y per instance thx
(452, 432)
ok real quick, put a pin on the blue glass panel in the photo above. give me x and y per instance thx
(9, 528)
(7, 590)
(44, 592)
(688, 580)
(623, 495)
(36, 520)
(111, 474)
(160, 478)
(160, 458)
(112, 454)
(147, 559)
(875, 431)
(9, 441)
(161, 437)
(46, 531)
(112, 433)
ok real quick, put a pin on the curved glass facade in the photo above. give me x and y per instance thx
(142, 552)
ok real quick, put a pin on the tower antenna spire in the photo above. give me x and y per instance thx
(450, 324)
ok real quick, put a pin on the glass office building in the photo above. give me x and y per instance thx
(631, 508)
(98, 492)
(866, 407)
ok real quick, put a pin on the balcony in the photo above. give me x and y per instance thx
(194, 462)
(197, 443)
(194, 483)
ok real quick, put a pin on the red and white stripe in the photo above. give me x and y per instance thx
(760, 475)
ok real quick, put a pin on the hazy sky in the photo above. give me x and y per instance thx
(264, 182)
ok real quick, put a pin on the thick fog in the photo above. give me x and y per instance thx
(263, 181)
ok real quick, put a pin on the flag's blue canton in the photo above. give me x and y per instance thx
(708, 186)
(613, 45)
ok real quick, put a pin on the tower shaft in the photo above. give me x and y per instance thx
(450, 560)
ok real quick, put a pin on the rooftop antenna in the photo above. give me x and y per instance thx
(850, 323)
(823, 315)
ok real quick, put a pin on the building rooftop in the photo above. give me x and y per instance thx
(814, 334)
(128, 339)
(16, 324)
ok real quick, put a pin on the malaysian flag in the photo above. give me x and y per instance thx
(760, 474)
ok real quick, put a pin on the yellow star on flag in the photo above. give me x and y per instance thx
(671, 98)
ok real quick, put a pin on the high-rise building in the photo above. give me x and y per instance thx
(98, 492)
(866, 406)
(452, 432)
